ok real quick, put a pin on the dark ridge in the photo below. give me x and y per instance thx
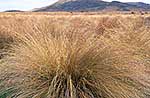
(13, 11)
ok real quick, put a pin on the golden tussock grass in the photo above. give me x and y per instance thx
(76, 57)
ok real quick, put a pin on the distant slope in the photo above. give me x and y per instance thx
(13, 11)
(140, 5)
(94, 5)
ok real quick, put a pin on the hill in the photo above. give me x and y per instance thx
(94, 5)
(14, 11)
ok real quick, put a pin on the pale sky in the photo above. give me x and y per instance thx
(23, 4)
(30, 4)
(146, 1)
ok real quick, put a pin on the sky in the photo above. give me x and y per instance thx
(26, 5)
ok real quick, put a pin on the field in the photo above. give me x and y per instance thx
(74, 55)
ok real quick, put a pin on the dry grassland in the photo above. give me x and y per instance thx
(65, 55)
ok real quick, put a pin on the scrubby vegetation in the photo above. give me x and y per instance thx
(77, 56)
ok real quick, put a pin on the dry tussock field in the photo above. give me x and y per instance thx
(65, 55)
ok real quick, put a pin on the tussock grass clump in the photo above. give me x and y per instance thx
(53, 61)
(5, 41)
(135, 33)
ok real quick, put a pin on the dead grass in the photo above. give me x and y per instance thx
(76, 57)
